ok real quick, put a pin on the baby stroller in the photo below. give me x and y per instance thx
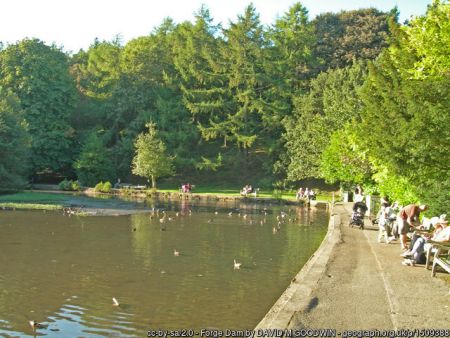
(357, 219)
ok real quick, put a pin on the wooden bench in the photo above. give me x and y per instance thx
(441, 257)
(254, 192)
(130, 186)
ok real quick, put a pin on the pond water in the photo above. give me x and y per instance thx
(64, 271)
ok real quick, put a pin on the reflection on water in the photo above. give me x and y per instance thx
(63, 271)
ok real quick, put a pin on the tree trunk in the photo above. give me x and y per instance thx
(153, 182)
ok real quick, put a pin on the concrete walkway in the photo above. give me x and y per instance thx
(363, 285)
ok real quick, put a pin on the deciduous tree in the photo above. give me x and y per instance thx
(14, 142)
(39, 75)
(151, 160)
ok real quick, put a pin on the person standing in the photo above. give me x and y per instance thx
(408, 217)
(299, 193)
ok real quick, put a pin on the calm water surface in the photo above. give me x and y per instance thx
(63, 271)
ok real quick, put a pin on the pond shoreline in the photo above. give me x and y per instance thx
(95, 209)
(204, 196)
(353, 281)
(296, 297)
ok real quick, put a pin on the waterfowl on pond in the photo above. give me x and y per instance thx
(35, 325)
(237, 265)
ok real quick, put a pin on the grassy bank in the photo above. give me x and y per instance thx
(29, 206)
(35, 197)
(55, 201)
(32, 201)
(235, 191)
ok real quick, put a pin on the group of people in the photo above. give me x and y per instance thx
(305, 194)
(186, 187)
(248, 189)
(401, 223)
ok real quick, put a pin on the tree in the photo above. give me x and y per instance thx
(94, 164)
(405, 120)
(150, 91)
(331, 102)
(151, 160)
(14, 142)
(344, 161)
(291, 59)
(39, 76)
(429, 37)
(349, 35)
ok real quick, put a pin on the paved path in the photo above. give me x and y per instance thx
(365, 286)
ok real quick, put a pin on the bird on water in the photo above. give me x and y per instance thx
(237, 265)
(35, 325)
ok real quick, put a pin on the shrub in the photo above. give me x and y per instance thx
(69, 185)
(99, 186)
(65, 185)
(75, 186)
(94, 163)
(103, 187)
(107, 187)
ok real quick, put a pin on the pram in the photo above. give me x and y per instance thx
(357, 218)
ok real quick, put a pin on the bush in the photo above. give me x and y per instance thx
(107, 187)
(76, 186)
(103, 187)
(99, 186)
(65, 185)
(94, 163)
(69, 185)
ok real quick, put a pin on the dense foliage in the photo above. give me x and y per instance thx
(350, 97)
(13, 142)
(39, 76)
(151, 160)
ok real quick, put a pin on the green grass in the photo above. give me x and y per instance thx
(235, 191)
(30, 206)
(33, 201)
(54, 201)
(34, 197)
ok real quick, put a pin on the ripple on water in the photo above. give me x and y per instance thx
(100, 258)
(76, 320)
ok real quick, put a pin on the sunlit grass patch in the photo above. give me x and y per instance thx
(30, 206)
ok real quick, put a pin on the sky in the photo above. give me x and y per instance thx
(74, 24)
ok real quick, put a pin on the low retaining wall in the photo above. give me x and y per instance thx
(296, 298)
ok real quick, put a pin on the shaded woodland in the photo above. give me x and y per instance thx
(349, 97)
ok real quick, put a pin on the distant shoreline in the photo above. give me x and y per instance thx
(95, 208)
